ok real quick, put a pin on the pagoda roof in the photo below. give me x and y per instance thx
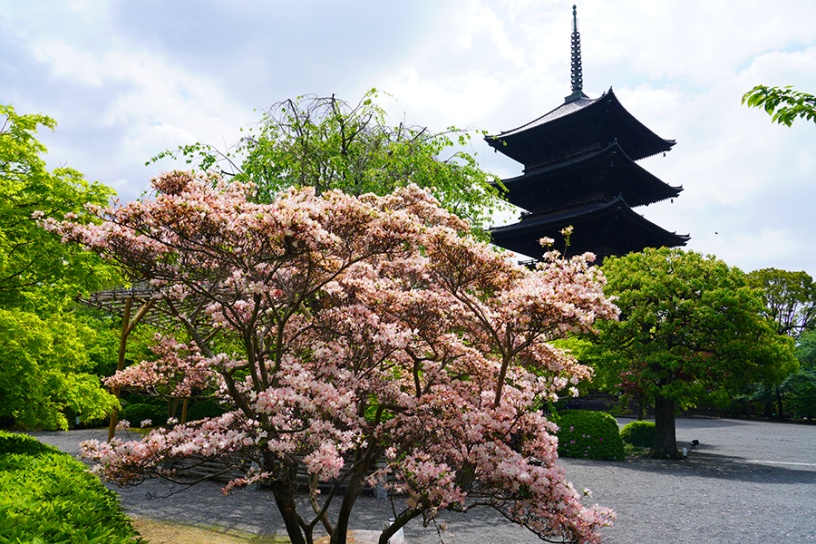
(524, 143)
(603, 228)
(606, 171)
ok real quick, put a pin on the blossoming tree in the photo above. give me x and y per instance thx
(344, 331)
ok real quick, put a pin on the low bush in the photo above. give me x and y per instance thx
(640, 434)
(23, 444)
(46, 496)
(204, 408)
(136, 413)
(590, 435)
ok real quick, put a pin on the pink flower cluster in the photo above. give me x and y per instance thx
(178, 371)
(348, 330)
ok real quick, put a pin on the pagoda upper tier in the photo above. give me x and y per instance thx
(577, 127)
(599, 174)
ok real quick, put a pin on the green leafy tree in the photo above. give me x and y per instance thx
(799, 389)
(48, 349)
(783, 104)
(36, 269)
(690, 329)
(790, 302)
(789, 297)
(806, 350)
(46, 370)
(326, 143)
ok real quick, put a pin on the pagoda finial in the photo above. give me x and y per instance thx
(577, 78)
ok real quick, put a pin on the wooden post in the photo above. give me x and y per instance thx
(184, 409)
(127, 328)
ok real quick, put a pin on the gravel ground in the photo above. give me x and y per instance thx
(747, 483)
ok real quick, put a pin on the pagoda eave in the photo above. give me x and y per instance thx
(610, 228)
(608, 172)
(524, 144)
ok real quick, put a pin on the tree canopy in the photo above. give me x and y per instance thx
(789, 297)
(35, 268)
(341, 330)
(690, 329)
(46, 352)
(800, 388)
(783, 104)
(327, 143)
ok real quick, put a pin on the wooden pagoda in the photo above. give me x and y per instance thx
(580, 170)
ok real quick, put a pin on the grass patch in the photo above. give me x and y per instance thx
(168, 532)
(636, 452)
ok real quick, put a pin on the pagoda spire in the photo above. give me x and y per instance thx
(577, 78)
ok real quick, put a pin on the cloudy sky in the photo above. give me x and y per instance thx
(127, 78)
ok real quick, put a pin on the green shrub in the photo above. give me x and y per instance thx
(23, 444)
(640, 434)
(204, 408)
(136, 413)
(590, 435)
(46, 496)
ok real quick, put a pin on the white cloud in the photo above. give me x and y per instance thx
(128, 80)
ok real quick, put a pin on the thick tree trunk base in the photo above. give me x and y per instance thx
(362, 537)
(665, 446)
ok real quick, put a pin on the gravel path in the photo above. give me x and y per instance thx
(747, 483)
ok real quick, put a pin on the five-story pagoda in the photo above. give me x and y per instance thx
(580, 171)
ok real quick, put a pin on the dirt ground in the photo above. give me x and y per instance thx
(164, 532)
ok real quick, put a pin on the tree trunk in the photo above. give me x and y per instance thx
(285, 501)
(641, 407)
(780, 413)
(355, 487)
(398, 524)
(283, 490)
(768, 409)
(665, 446)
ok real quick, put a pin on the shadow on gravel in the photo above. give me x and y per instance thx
(707, 423)
(721, 467)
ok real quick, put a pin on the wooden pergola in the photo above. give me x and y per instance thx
(137, 304)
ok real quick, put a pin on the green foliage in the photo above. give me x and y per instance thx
(800, 388)
(46, 496)
(806, 351)
(790, 302)
(48, 349)
(800, 394)
(640, 434)
(326, 143)
(23, 444)
(689, 325)
(691, 329)
(204, 408)
(46, 369)
(783, 104)
(38, 271)
(136, 413)
(790, 298)
(591, 435)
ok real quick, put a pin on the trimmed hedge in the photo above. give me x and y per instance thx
(589, 435)
(136, 413)
(47, 496)
(640, 434)
(204, 408)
